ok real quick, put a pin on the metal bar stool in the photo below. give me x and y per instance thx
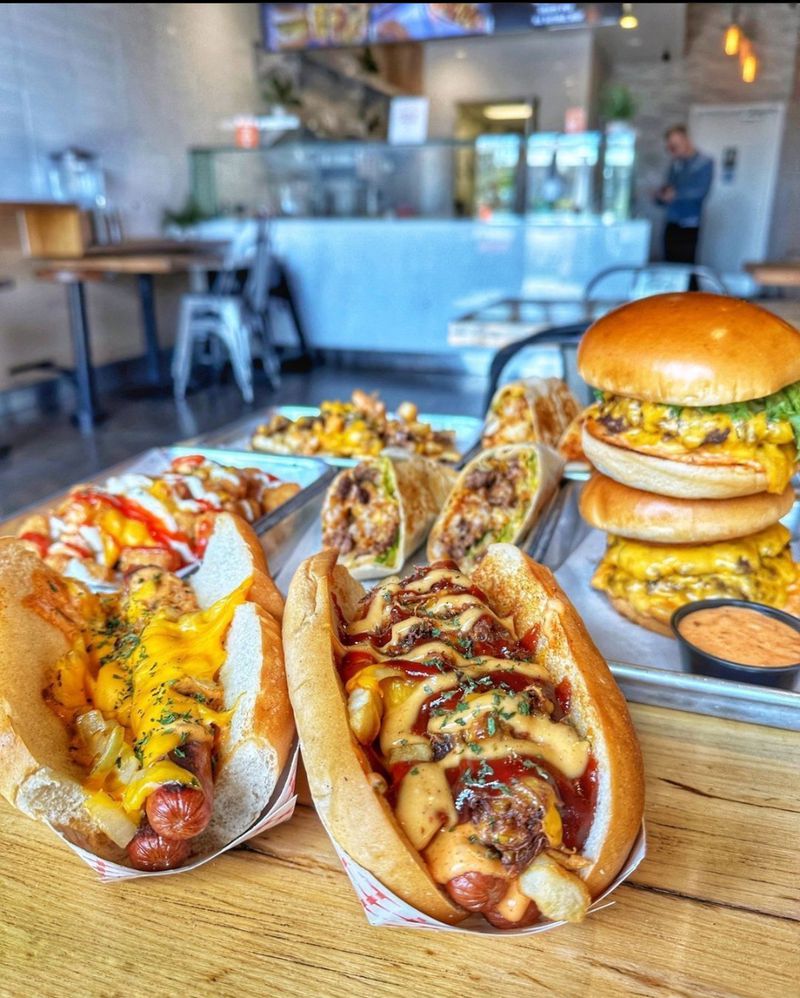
(87, 413)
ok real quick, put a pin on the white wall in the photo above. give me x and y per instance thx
(554, 66)
(136, 83)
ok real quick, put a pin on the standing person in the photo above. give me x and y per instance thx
(687, 183)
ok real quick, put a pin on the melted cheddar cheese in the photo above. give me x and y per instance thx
(670, 431)
(447, 722)
(153, 676)
(656, 579)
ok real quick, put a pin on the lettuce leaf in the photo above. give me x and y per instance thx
(388, 556)
(781, 405)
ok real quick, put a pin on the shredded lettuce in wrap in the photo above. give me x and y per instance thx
(388, 483)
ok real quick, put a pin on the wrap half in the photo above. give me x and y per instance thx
(496, 498)
(531, 410)
(378, 512)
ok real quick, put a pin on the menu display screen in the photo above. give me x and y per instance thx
(326, 25)
(395, 22)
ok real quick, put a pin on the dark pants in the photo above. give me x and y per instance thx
(680, 244)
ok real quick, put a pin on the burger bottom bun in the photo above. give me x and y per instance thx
(643, 620)
(643, 516)
(670, 477)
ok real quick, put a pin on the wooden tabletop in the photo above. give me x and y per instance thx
(776, 273)
(713, 910)
(134, 263)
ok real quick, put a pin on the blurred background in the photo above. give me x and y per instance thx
(401, 186)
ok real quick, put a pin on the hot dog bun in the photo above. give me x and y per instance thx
(37, 773)
(339, 772)
(519, 587)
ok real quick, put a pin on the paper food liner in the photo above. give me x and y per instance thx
(279, 809)
(383, 907)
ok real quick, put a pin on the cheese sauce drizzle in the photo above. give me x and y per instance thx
(484, 770)
(153, 676)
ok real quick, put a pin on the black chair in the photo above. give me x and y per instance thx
(651, 278)
(560, 336)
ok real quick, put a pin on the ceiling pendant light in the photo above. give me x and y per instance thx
(733, 33)
(749, 67)
(628, 20)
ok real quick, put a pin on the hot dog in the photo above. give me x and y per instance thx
(182, 812)
(463, 739)
(149, 851)
(148, 725)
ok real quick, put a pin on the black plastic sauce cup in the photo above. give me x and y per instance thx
(694, 659)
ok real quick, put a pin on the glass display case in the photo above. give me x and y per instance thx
(562, 172)
(330, 179)
(618, 166)
(548, 175)
(497, 176)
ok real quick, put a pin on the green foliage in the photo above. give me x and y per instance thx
(279, 89)
(190, 213)
(617, 103)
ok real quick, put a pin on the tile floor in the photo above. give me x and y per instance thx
(49, 454)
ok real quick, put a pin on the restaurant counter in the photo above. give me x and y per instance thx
(401, 281)
(712, 910)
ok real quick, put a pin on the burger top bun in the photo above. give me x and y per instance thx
(643, 516)
(690, 349)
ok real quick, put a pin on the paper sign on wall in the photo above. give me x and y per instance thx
(408, 120)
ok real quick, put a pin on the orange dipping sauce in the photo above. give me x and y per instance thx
(746, 637)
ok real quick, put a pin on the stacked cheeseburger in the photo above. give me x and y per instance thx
(694, 438)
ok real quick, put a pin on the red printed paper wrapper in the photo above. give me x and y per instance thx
(279, 809)
(382, 907)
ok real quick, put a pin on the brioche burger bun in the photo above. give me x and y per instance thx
(698, 396)
(665, 552)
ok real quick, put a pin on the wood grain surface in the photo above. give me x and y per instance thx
(143, 263)
(713, 910)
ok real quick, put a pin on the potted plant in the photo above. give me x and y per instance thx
(617, 105)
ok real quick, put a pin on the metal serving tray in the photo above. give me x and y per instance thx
(556, 538)
(238, 435)
(312, 475)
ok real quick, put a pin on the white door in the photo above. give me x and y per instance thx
(744, 141)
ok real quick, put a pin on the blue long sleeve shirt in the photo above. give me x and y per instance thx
(691, 179)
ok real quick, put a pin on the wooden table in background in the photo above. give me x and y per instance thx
(713, 910)
(776, 273)
(144, 259)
